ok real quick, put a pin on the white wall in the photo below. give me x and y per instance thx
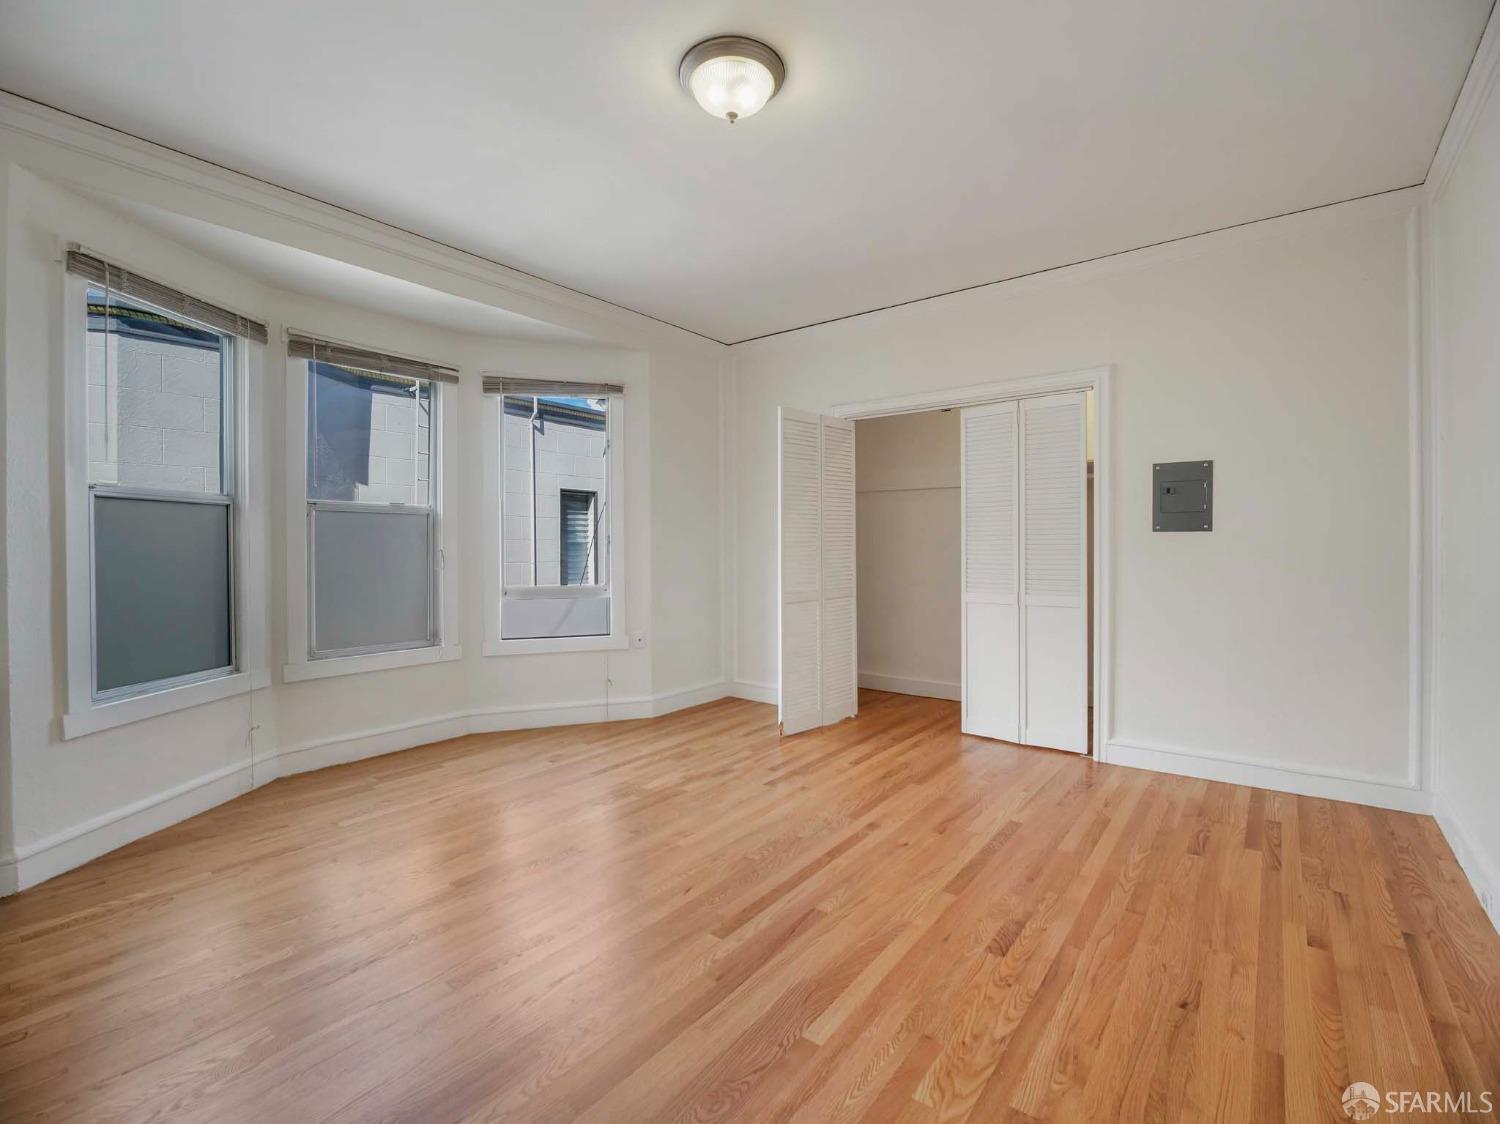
(1465, 231)
(686, 562)
(61, 801)
(906, 487)
(1280, 639)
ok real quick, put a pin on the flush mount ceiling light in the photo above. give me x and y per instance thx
(730, 76)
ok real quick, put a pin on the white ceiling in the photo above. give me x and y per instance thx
(915, 148)
(299, 271)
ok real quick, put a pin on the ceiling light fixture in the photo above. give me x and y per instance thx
(730, 76)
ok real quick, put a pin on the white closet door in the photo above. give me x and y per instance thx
(815, 530)
(991, 623)
(800, 534)
(840, 665)
(1054, 598)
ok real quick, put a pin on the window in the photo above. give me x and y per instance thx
(556, 487)
(161, 496)
(371, 534)
(163, 593)
(368, 586)
(579, 519)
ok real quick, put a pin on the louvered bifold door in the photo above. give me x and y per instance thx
(991, 623)
(840, 689)
(1054, 597)
(800, 546)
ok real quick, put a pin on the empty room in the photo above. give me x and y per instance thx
(772, 562)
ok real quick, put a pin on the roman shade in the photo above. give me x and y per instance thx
(549, 388)
(115, 279)
(344, 355)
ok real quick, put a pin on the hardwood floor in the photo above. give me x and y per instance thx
(689, 918)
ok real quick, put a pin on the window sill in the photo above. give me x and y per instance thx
(376, 661)
(555, 592)
(544, 644)
(106, 716)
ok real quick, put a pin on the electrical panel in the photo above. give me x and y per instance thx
(1182, 496)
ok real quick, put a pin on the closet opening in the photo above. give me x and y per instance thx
(954, 545)
(912, 609)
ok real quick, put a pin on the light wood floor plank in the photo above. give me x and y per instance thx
(691, 918)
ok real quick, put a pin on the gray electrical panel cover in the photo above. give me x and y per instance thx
(1182, 496)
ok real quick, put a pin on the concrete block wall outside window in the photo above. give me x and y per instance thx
(398, 468)
(567, 457)
(153, 414)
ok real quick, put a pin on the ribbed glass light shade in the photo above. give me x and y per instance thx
(731, 87)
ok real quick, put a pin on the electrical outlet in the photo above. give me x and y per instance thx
(638, 640)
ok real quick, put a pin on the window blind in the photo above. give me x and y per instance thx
(549, 388)
(118, 280)
(344, 355)
(577, 517)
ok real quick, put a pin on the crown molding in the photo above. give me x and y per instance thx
(77, 150)
(1475, 93)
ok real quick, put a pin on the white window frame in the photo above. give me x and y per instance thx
(614, 498)
(86, 714)
(299, 662)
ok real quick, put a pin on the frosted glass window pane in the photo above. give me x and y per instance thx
(372, 579)
(155, 398)
(162, 600)
(369, 436)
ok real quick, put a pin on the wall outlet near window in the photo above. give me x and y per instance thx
(637, 639)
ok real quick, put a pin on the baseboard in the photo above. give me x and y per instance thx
(74, 847)
(1355, 790)
(496, 719)
(344, 748)
(49, 857)
(927, 688)
(1482, 873)
(690, 696)
(755, 692)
